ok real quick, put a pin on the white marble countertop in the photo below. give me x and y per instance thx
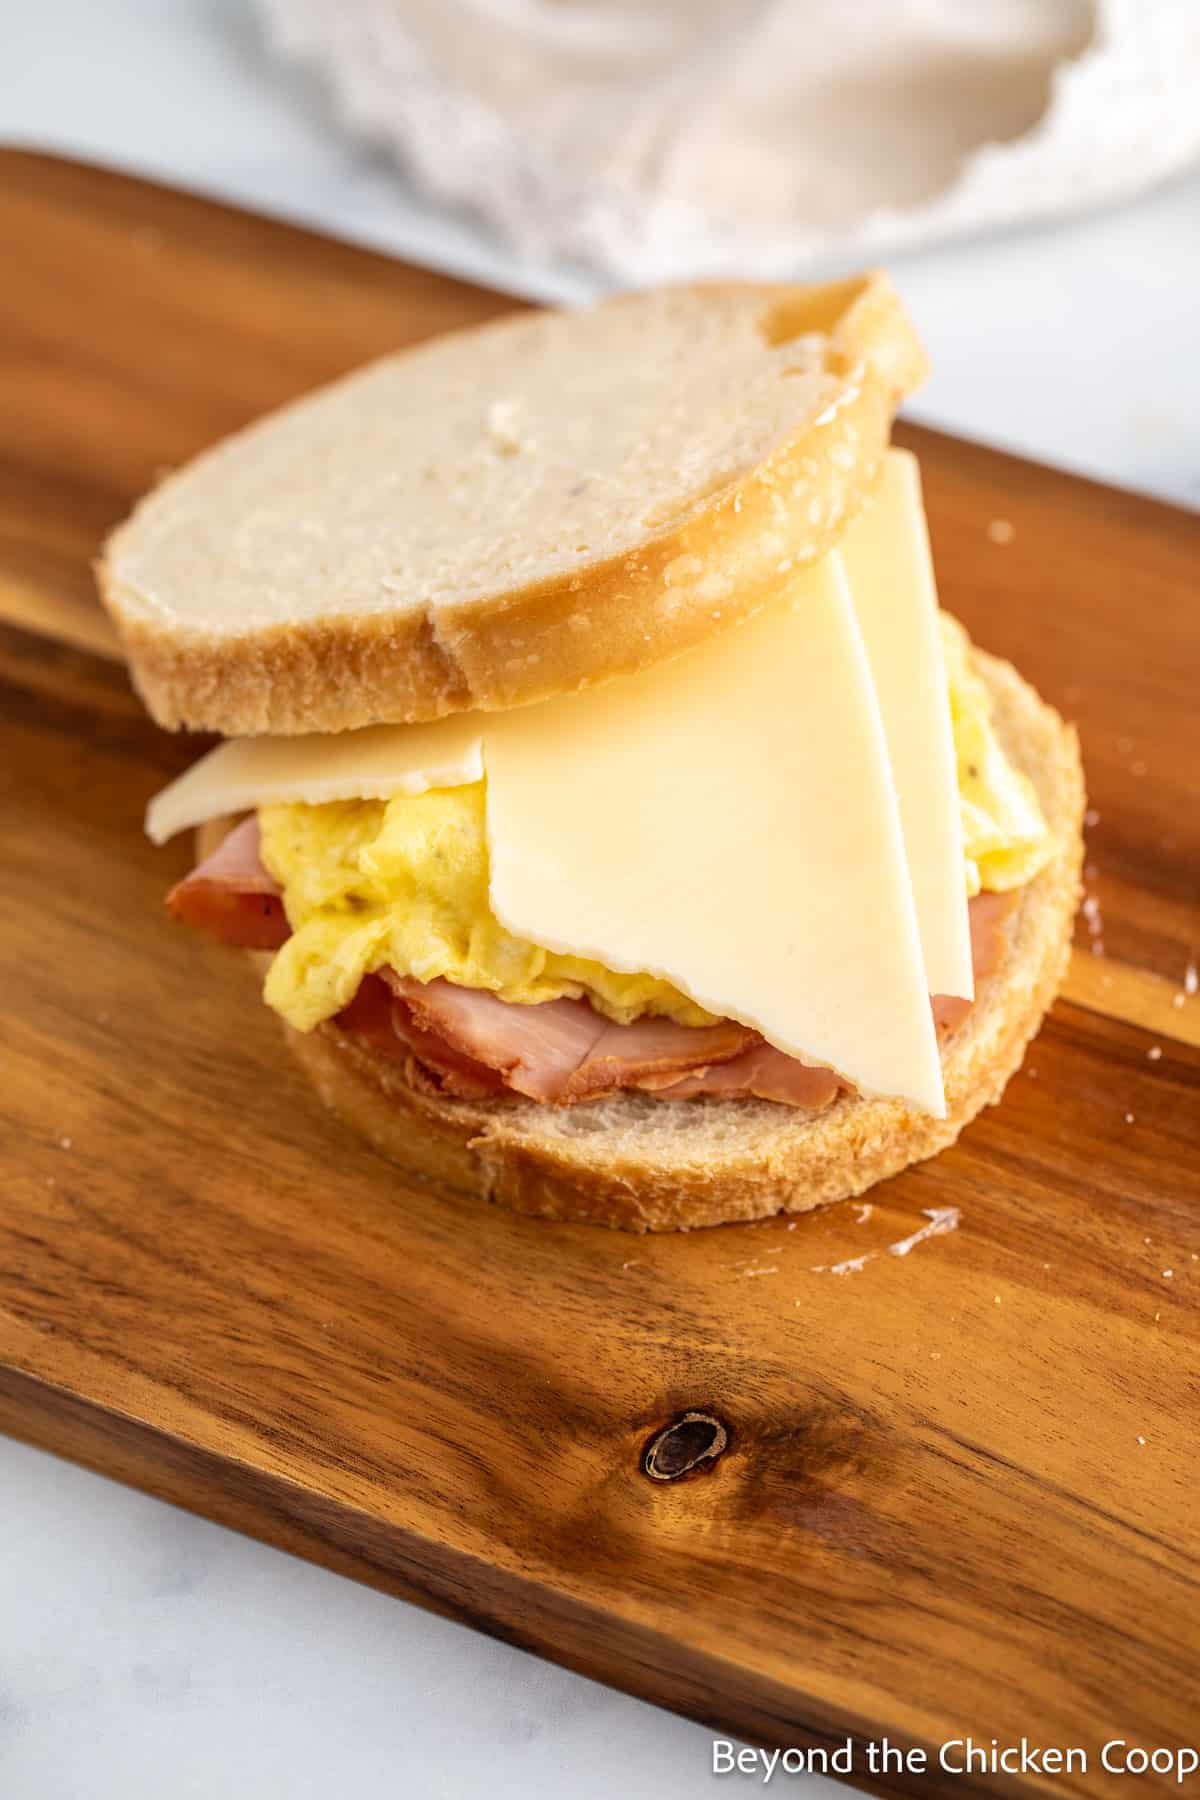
(144, 1652)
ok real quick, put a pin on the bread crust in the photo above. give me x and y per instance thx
(643, 1164)
(592, 620)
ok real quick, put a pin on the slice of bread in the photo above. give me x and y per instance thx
(512, 511)
(667, 1165)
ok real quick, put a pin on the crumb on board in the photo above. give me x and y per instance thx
(1141, 1439)
(1001, 531)
(1167, 1274)
(1091, 816)
(64, 1143)
(1191, 979)
(1154, 1053)
(1129, 1118)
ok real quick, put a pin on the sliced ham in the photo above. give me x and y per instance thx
(376, 1019)
(763, 1073)
(469, 1043)
(989, 914)
(231, 896)
(560, 1051)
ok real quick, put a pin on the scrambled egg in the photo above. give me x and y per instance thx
(1005, 837)
(404, 883)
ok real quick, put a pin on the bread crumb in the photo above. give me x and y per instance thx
(1001, 531)
(996, 1297)
(64, 1143)
(502, 417)
(1032, 1074)
(1178, 999)
(1191, 980)
(1139, 767)
(1154, 1053)
(1141, 1440)
(1129, 1118)
(1091, 816)
(1167, 1274)
(1094, 923)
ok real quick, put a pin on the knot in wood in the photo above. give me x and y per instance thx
(692, 1441)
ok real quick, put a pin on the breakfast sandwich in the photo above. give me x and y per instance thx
(624, 833)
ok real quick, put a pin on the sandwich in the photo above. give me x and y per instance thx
(622, 831)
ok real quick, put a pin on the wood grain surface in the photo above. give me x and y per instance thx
(957, 1488)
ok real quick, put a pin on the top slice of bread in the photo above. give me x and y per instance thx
(512, 511)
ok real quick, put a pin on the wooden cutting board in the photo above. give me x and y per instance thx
(957, 1494)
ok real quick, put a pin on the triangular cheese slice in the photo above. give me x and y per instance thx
(728, 822)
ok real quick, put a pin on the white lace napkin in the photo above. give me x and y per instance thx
(654, 140)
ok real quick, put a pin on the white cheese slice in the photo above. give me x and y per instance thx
(372, 764)
(728, 822)
(890, 569)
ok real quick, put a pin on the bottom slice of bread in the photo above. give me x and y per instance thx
(643, 1164)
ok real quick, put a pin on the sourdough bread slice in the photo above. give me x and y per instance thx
(511, 511)
(646, 1164)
